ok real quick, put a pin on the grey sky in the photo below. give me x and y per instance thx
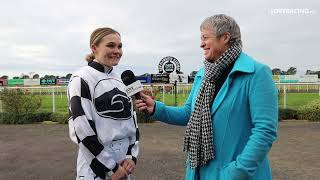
(52, 37)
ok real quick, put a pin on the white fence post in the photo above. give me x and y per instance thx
(284, 97)
(53, 101)
(163, 93)
(183, 91)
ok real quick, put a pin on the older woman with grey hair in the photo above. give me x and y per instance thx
(231, 115)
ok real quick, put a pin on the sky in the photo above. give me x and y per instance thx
(52, 37)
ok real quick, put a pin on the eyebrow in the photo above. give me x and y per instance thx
(114, 42)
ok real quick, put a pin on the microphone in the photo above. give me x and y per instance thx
(133, 87)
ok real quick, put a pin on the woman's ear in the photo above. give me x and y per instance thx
(93, 48)
(226, 37)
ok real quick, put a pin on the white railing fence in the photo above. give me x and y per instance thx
(54, 98)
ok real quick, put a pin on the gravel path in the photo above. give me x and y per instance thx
(36, 152)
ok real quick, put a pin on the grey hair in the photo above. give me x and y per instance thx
(221, 24)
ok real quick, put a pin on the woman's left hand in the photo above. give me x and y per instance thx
(128, 165)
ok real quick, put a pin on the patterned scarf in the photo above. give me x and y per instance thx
(198, 140)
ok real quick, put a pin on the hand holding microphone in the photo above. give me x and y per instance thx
(145, 104)
(134, 88)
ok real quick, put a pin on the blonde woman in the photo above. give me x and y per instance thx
(103, 122)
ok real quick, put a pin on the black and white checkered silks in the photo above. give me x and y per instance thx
(88, 105)
(198, 140)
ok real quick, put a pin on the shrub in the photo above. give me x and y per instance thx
(60, 117)
(15, 101)
(287, 114)
(310, 111)
(24, 118)
(6, 118)
(31, 103)
(20, 107)
(12, 100)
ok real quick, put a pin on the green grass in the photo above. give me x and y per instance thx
(170, 99)
(61, 103)
(295, 100)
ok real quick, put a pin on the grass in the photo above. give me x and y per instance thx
(61, 103)
(169, 99)
(295, 100)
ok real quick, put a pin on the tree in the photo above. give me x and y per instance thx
(46, 76)
(309, 72)
(193, 73)
(68, 76)
(283, 72)
(16, 77)
(4, 77)
(276, 71)
(291, 71)
(49, 77)
(31, 74)
(25, 77)
(36, 76)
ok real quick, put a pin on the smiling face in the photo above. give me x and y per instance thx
(212, 45)
(109, 50)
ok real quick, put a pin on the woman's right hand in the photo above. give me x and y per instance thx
(120, 174)
(145, 103)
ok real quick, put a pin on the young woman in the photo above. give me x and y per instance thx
(103, 121)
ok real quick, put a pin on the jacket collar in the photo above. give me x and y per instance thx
(242, 64)
(99, 67)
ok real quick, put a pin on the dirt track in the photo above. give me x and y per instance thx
(44, 152)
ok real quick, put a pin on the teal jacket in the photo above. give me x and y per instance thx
(245, 121)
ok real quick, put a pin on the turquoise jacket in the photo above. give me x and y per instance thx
(245, 121)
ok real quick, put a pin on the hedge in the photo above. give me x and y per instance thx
(310, 111)
(25, 118)
(286, 114)
(60, 117)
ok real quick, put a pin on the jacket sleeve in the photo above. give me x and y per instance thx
(174, 115)
(133, 149)
(100, 161)
(263, 104)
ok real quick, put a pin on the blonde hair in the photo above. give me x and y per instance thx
(96, 37)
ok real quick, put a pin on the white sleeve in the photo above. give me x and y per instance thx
(100, 161)
(133, 149)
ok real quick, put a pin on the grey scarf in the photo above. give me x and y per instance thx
(198, 140)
